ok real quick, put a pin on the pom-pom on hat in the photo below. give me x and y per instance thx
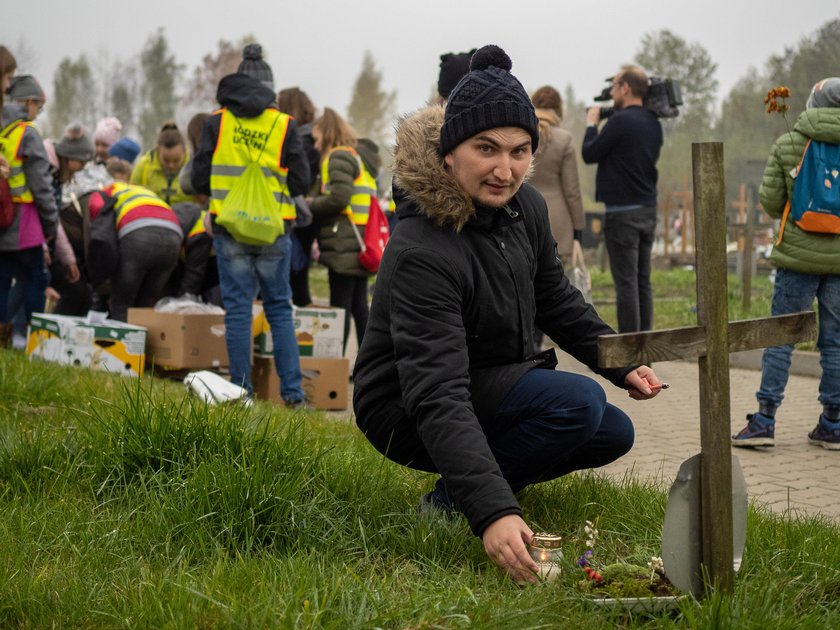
(453, 67)
(107, 131)
(254, 66)
(75, 144)
(826, 93)
(489, 96)
(125, 149)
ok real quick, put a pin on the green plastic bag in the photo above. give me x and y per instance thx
(249, 211)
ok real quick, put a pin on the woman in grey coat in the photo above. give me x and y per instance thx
(556, 173)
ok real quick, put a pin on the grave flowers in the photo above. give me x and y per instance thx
(623, 584)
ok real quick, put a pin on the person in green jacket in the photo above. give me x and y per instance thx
(159, 168)
(807, 267)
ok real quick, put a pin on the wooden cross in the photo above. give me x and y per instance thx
(710, 342)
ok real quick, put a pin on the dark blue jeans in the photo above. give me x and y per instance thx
(27, 268)
(562, 422)
(629, 235)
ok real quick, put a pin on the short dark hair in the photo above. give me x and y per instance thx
(635, 77)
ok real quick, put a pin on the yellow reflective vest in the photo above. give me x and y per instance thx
(133, 202)
(364, 187)
(10, 139)
(245, 140)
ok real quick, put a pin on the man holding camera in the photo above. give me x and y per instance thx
(626, 150)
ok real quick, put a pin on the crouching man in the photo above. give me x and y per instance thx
(442, 380)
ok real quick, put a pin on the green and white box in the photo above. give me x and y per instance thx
(108, 345)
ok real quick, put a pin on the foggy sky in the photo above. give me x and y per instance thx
(318, 44)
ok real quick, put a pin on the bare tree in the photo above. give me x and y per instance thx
(160, 72)
(200, 93)
(74, 95)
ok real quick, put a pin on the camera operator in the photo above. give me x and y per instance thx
(626, 150)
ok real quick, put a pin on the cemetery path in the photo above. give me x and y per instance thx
(790, 478)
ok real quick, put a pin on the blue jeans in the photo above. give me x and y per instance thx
(241, 269)
(794, 292)
(628, 235)
(31, 278)
(562, 422)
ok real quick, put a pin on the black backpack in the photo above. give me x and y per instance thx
(103, 255)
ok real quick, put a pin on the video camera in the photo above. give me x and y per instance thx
(662, 98)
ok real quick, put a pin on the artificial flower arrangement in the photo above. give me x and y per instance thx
(621, 580)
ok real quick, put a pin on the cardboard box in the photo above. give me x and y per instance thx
(109, 346)
(325, 381)
(319, 331)
(182, 341)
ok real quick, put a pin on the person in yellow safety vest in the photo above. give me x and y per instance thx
(30, 218)
(149, 243)
(159, 168)
(348, 180)
(249, 127)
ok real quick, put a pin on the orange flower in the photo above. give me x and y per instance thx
(772, 99)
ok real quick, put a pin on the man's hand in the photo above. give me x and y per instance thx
(505, 542)
(643, 383)
(593, 116)
(5, 171)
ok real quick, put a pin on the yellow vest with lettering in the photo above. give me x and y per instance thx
(130, 197)
(242, 141)
(10, 139)
(364, 187)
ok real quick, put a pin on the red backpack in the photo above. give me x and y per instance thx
(7, 206)
(376, 237)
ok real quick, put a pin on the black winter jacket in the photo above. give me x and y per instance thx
(451, 323)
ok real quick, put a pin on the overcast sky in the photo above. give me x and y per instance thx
(318, 44)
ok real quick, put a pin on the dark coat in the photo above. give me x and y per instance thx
(337, 239)
(451, 324)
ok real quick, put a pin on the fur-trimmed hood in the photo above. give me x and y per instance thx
(419, 170)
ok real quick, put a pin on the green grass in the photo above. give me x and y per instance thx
(124, 503)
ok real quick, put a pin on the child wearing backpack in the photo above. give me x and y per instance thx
(801, 186)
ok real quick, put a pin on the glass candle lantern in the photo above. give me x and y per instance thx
(546, 552)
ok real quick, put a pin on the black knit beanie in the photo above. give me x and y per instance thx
(486, 98)
(453, 67)
(253, 65)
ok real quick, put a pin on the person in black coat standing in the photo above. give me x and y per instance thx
(443, 380)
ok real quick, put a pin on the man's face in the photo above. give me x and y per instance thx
(491, 165)
(619, 92)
